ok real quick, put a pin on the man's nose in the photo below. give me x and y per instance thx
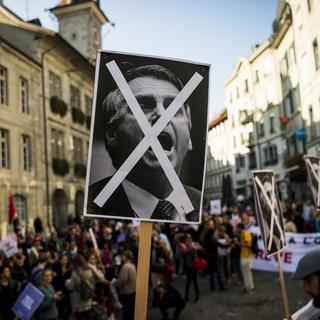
(157, 113)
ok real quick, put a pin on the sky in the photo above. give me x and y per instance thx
(217, 32)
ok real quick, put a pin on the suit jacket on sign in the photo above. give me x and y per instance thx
(118, 204)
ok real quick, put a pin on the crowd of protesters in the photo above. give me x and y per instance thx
(81, 282)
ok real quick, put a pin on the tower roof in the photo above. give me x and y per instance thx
(71, 5)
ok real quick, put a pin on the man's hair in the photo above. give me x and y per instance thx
(111, 104)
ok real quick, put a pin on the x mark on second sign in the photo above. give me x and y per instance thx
(150, 139)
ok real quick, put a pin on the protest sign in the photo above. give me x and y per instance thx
(313, 169)
(268, 211)
(215, 206)
(147, 145)
(142, 114)
(28, 302)
(9, 245)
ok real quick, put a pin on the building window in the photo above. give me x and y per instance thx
(78, 150)
(75, 98)
(246, 85)
(26, 152)
(309, 5)
(270, 155)
(271, 123)
(3, 85)
(234, 142)
(240, 162)
(237, 92)
(24, 99)
(57, 144)
(313, 129)
(273, 154)
(4, 148)
(252, 159)
(261, 128)
(289, 107)
(292, 146)
(88, 105)
(316, 53)
(292, 54)
(230, 97)
(21, 207)
(257, 76)
(55, 85)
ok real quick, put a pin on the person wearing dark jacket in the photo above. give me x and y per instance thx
(189, 251)
(165, 296)
(8, 294)
(211, 250)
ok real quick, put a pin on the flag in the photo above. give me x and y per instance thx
(12, 209)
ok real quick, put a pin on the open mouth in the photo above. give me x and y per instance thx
(165, 141)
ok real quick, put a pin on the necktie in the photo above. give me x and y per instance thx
(163, 210)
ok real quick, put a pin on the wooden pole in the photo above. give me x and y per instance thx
(142, 284)
(283, 288)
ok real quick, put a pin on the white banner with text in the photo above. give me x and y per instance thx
(298, 244)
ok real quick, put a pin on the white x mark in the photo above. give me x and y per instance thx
(274, 217)
(150, 139)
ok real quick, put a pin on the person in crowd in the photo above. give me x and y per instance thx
(33, 254)
(211, 251)
(82, 287)
(165, 296)
(246, 258)
(37, 224)
(235, 255)
(53, 243)
(289, 225)
(189, 252)
(62, 273)
(8, 293)
(19, 273)
(48, 310)
(296, 216)
(36, 272)
(308, 270)
(223, 250)
(126, 284)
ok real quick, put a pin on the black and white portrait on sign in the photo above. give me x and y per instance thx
(313, 169)
(268, 211)
(148, 139)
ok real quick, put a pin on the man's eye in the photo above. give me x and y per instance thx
(180, 112)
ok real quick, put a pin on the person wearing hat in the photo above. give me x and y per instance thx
(308, 270)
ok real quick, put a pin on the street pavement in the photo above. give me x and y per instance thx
(265, 303)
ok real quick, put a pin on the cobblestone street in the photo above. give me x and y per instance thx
(264, 304)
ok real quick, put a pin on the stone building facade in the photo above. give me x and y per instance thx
(273, 102)
(46, 97)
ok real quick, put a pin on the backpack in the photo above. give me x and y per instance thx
(254, 244)
(87, 287)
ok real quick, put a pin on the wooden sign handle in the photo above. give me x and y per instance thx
(142, 283)
(283, 288)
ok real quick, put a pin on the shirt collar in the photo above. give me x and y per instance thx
(143, 202)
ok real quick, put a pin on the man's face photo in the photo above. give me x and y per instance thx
(147, 146)
(154, 96)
